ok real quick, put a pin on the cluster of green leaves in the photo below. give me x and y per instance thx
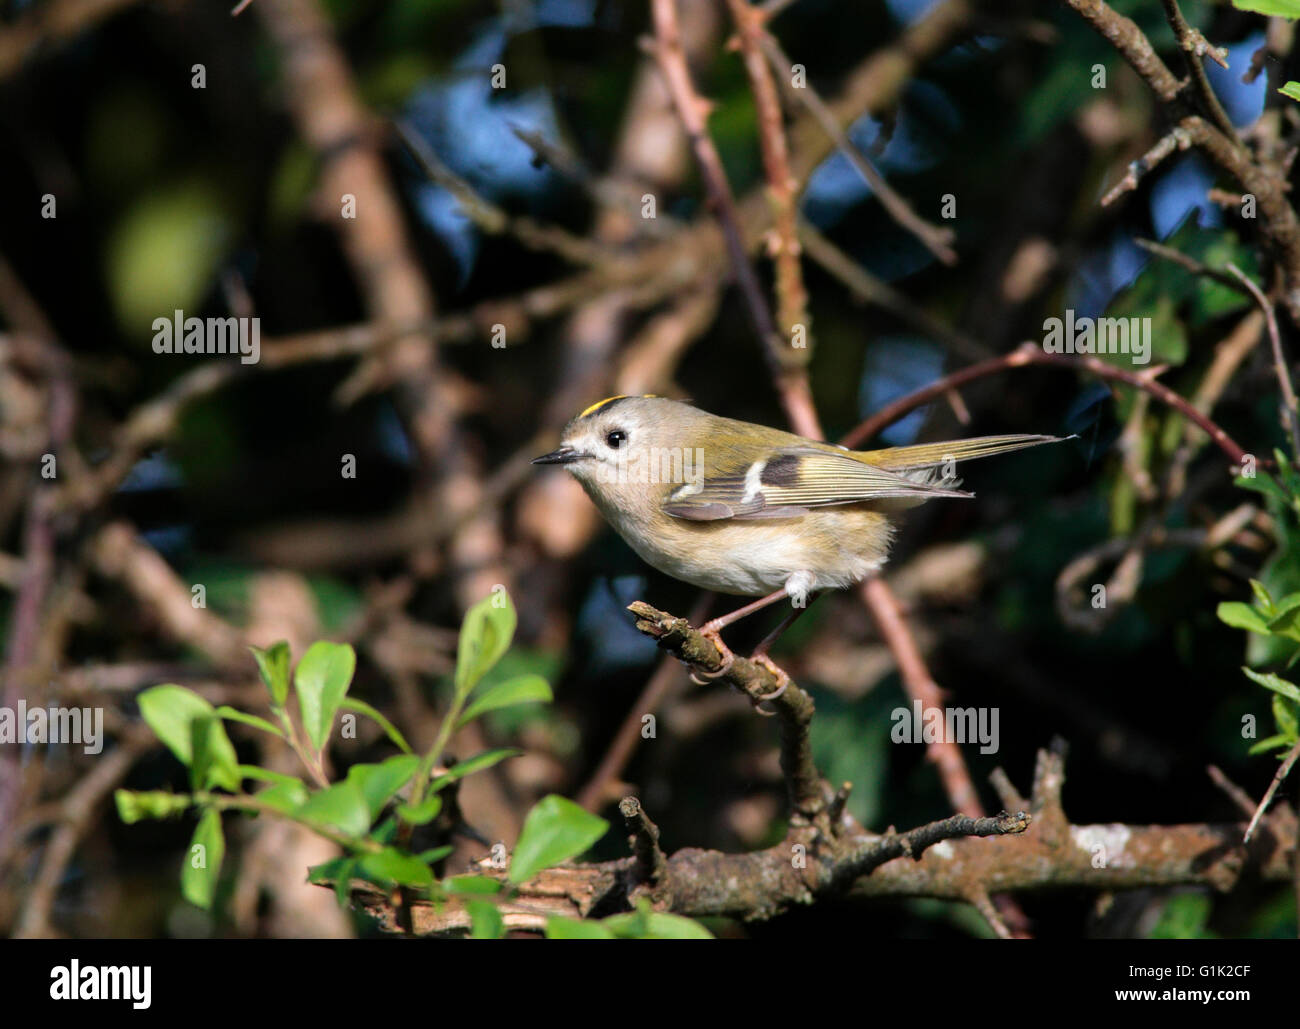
(1278, 620)
(1274, 625)
(372, 812)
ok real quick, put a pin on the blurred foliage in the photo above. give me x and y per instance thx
(166, 194)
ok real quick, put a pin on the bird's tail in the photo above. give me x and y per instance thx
(928, 455)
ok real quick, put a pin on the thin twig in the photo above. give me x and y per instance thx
(868, 289)
(935, 238)
(1283, 770)
(915, 842)
(1176, 139)
(496, 221)
(1190, 263)
(1290, 408)
(1234, 792)
(1194, 47)
(792, 297)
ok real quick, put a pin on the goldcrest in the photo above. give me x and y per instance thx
(745, 509)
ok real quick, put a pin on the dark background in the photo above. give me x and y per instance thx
(174, 197)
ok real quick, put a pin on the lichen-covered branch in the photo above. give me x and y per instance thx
(1026, 851)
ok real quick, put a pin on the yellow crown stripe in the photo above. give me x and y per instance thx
(601, 403)
(609, 400)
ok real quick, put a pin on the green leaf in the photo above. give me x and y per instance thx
(232, 715)
(1284, 713)
(203, 859)
(379, 782)
(473, 885)
(434, 855)
(1271, 743)
(394, 866)
(1211, 298)
(485, 635)
(1241, 616)
(656, 925)
(341, 806)
(428, 810)
(561, 928)
(1291, 89)
(1288, 603)
(1183, 918)
(266, 775)
(1270, 8)
(475, 764)
(555, 830)
(526, 689)
(1286, 621)
(1262, 600)
(171, 711)
(485, 920)
(273, 664)
(165, 249)
(362, 708)
(285, 797)
(1275, 683)
(338, 872)
(1262, 484)
(132, 806)
(214, 761)
(322, 679)
(327, 872)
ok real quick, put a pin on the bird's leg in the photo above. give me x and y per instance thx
(711, 628)
(760, 652)
(711, 631)
(796, 586)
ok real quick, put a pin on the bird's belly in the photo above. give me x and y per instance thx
(830, 548)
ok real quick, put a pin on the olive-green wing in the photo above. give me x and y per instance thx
(788, 483)
(928, 455)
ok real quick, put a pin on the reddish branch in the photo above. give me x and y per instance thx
(1024, 356)
(787, 363)
(944, 753)
(792, 297)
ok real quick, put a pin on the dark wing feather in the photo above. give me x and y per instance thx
(789, 482)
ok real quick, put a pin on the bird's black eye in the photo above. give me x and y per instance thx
(616, 439)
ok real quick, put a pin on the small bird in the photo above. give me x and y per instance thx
(745, 509)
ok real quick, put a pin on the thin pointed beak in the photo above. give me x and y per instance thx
(565, 455)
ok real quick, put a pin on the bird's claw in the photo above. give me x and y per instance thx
(778, 673)
(702, 676)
